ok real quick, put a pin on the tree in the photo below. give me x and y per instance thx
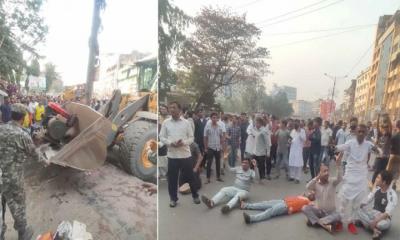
(277, 105)
(21, 30)
(222, 51)
(171, 23)
(51, 75)
(34, 68)
(250, 98)
(253, 98)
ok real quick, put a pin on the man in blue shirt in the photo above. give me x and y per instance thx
(5, 110)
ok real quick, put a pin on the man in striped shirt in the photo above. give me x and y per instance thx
(233, 135)
(213, 143)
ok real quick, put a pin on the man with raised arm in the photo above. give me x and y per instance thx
(323, 213)
(239, 191)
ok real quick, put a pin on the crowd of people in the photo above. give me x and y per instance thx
(36, 106)
(38, 111)
(191, 142)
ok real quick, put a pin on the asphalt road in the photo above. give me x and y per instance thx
(197, 222)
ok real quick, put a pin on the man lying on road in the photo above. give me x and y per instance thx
(274, 208)
(240, 190)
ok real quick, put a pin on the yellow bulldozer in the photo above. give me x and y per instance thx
(80, 137)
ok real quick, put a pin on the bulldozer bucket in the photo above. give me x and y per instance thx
(88, 150)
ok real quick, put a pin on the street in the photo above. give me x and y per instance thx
(112, 204)
(189, 221)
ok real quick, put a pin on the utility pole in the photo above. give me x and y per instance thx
(334, 78)
(93, 49)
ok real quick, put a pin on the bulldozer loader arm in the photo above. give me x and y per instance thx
(88, 150)
(125, 115)
(110, 110)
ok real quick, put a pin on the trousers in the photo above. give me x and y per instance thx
(270, 209)
(183, 166)
(315, 214)
(232, 194)
(367, 216)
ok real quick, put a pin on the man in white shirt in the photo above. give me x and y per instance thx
(176, 133)
(350, 133)
(378, 218)
(326, 137)
(355, 179)
(341, 135)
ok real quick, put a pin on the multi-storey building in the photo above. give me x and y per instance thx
(384, 86)
(348, 101)
(361, 94)
(301, 109)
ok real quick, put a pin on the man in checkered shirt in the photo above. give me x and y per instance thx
(233, 135)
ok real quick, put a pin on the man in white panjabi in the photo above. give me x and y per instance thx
(250, 141)
(355, 179)
(298, 138)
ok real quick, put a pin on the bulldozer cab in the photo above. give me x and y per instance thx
(147, 85)
(147, 74)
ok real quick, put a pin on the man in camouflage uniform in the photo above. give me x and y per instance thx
(16, 147)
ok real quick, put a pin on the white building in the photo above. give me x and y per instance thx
(122, 71)
(302, 109)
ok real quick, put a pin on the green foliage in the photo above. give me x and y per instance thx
(34, 68)
(253, 98)
(171, 23)
(278, 105)
(21, 30)
(222, 51)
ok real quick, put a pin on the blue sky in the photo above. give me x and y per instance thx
(303, 65)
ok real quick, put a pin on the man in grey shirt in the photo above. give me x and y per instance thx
(177, 134)
(213, 143)
(282, 152)
(239, 191)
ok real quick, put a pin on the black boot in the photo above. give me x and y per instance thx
(25, 234)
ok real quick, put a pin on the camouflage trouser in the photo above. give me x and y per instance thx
(14, 196)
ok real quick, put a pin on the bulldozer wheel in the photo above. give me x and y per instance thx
(133, 150)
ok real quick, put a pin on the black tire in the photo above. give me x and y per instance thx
(135, 137)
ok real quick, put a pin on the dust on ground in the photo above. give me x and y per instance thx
(112, 204)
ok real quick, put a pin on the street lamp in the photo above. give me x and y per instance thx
(334, 78)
